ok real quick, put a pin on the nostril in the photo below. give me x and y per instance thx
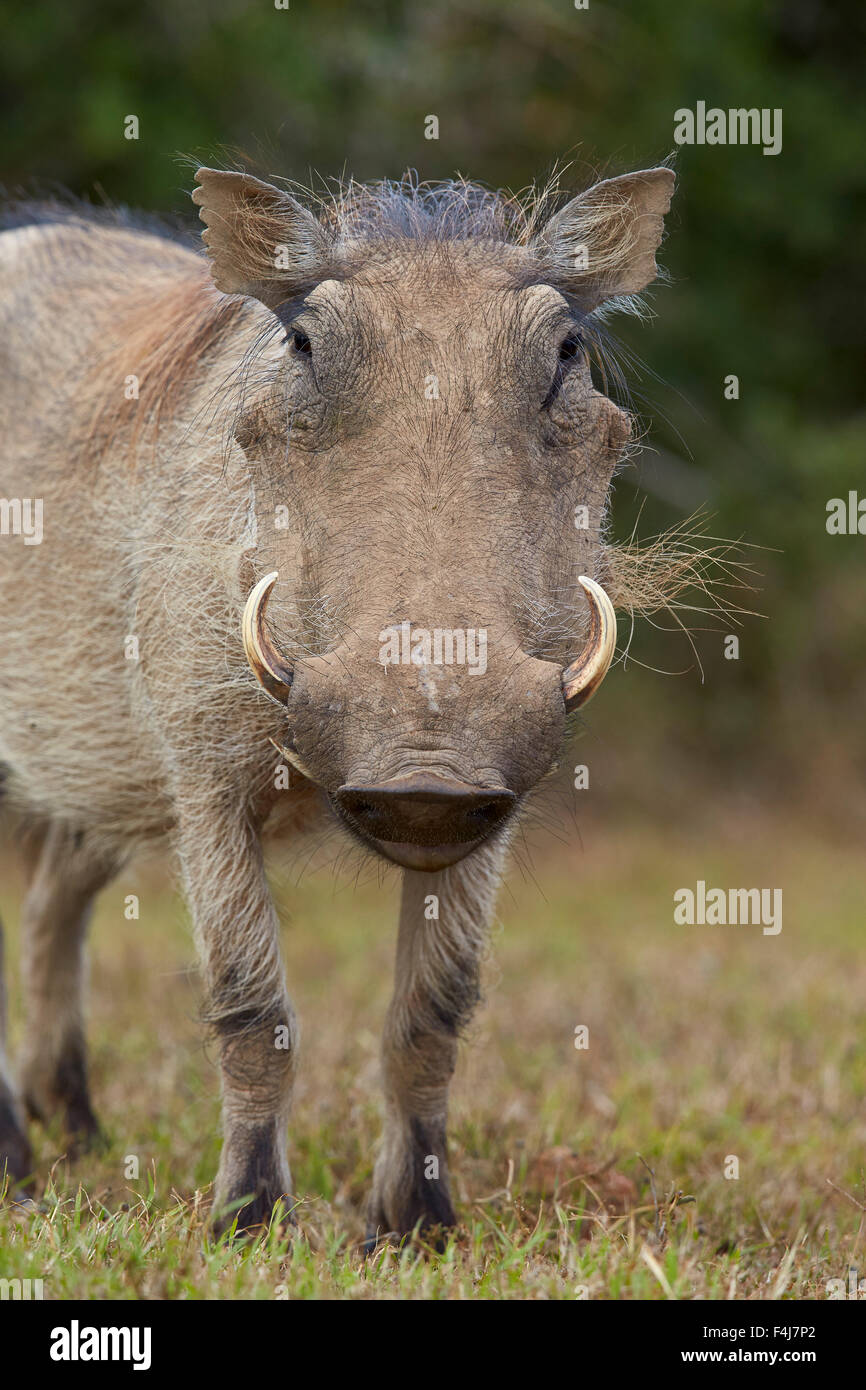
(488, 813)
(363, 809)
(424, 808)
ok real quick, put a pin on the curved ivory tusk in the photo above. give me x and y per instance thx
(269, 668)
(582, 678)
(292, 758)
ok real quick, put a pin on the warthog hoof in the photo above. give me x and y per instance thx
(253, 1178)
(254, 1217)
(16, 1155)
(72, 1102)
(415, 1215)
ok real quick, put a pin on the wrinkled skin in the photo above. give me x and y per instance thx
(394, 409)
(479, 486)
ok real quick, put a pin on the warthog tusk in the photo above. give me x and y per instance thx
(292, 759)
(582, 678)
(269, 668)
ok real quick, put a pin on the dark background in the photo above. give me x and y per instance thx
(765, 255)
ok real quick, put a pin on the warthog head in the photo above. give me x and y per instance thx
(442, 458)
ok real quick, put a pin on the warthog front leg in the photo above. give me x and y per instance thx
(443, 930)
(69, 872)
(248, 1011)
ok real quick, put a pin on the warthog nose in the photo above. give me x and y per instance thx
(424, 808)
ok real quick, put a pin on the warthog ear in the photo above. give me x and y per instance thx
(603, 242)
(260, 240)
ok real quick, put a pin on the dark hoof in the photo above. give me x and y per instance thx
(84, 1131)
(61, 1088)
(16, 1155)
(21, 1203)
(426, 1232)
(372, 1240)
(254, 1218)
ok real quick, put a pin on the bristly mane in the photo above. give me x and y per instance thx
(448, 210)
(166, 329)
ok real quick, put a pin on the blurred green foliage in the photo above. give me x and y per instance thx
(765, 253)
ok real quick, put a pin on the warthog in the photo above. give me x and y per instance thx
(377, 414)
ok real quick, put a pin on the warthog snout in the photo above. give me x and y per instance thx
(424, 819)
(482, 744)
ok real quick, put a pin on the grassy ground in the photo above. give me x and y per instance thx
(595, 1173)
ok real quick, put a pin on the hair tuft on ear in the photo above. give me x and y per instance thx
(602, 244)
(261, 241)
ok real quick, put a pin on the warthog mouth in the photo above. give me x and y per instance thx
(427, 859)
(423, 819)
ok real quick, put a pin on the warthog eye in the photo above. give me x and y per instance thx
(570, 347)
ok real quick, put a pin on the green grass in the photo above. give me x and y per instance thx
(596, 1173)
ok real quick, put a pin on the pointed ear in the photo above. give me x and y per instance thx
(603, 242)
(261, 241)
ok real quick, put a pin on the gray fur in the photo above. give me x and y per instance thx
(159, 515)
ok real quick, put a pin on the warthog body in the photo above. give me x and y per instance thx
(390, 405)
